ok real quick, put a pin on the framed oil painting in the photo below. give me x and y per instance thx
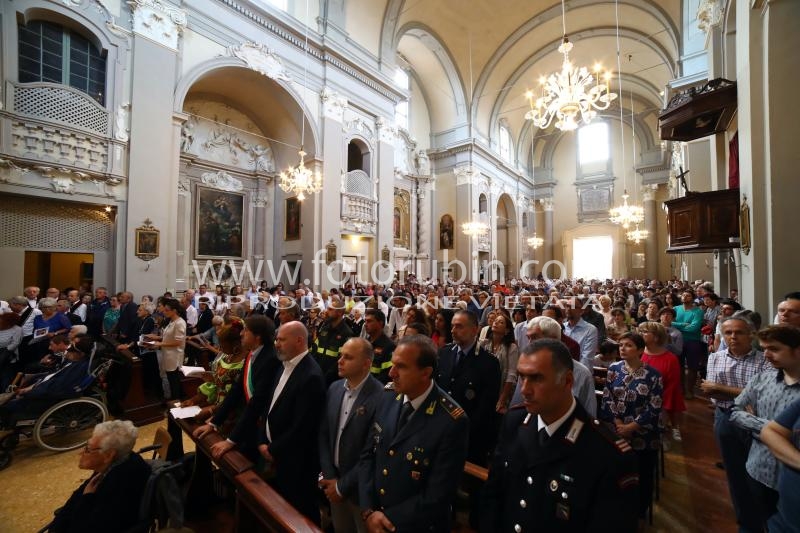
(292, 231)
(219, 224)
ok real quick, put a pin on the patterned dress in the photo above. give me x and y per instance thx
(225, 375)
(634, 397)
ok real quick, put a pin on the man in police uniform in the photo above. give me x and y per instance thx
(374, 323)
(555, 468)
(332, 334)
(410, 473)
(471, 375)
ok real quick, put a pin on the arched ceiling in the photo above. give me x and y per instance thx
(488, 53)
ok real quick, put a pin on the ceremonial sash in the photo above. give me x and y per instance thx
(248, 378)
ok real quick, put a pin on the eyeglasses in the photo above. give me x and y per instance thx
(86, 449)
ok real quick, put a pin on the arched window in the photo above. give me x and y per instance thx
(593, 143)
(51, 53)
(401, 110)
(482, 204)
(358, 157)
(504, 144)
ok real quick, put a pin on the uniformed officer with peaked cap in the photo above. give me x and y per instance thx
(555, 468)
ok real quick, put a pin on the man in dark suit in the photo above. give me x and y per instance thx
(250, 391)
(288, 441)
(351, 404)
(555, 468)
(471, 375)
(410, 469)
(127, 325)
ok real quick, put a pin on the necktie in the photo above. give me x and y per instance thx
(405, 413)
(543, 437)
(459, 356)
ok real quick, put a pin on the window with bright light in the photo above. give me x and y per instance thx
(592, 257)
(505, 143)
(403, 81)
(593, 143)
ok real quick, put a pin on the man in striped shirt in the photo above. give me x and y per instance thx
(727, 375)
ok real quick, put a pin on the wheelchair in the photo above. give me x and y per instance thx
(65, 425)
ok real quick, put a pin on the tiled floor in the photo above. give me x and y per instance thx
(694, 495)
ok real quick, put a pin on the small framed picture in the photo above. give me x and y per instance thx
(147, 242)
(292, 232)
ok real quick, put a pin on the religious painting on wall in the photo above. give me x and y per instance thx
(219, 224)
(446, 232)
(401, 218)
(292, 231)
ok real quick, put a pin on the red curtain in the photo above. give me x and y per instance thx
(733, 162)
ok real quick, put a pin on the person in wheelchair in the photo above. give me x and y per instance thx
(109, 500)
(66, 382)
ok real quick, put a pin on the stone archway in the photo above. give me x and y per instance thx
(506, 241)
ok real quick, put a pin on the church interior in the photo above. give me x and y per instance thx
(153, 146)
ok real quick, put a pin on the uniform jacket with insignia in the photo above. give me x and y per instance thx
(412, 475)
(326, 348)
(474, 383)
(584, 478)
(382, 361)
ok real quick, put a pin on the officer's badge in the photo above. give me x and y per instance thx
(469, 394)
(361, 410)
(415, 475)
(409, 456)
(431, 407)
(553, 485)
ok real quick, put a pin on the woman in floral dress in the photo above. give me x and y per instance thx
(631, 404)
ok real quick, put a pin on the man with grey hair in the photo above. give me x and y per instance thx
(109, 500)
(727, 374)
(32, 295)
(555, 468)
(543, 327)
(351, 403)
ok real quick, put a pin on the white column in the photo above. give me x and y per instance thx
(650, 224)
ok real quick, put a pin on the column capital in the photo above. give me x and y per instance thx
(649, 193)
(158, 21)
(333, 105)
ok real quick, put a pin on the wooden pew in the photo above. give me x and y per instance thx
(258, 506)
(142, 406)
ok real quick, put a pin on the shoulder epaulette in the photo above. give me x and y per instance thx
(618, 442)
(452, 408)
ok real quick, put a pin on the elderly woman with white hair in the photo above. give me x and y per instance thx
(109, 500)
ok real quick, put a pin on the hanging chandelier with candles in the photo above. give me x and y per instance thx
(626, 215)
(535, 242)
(475, 228)
(638, 235)
(574, 94)
(299, 180)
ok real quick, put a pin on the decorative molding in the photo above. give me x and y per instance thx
(333, 105)
(466, 175)
(259, 157)
(62, 179)
(709, 14)
(649, 193)
(387, 133)
(158, 21)
(222, 180)
(359, 126)
(259, 199)
(262, 59)
(121, 122)
(59, 145)
(548, 204)
(184, 185)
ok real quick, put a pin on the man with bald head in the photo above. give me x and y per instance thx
(288, 440)
(350, 411)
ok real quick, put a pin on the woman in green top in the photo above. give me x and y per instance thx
(111, 315)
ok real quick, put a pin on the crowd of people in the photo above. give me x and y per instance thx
(378, 395)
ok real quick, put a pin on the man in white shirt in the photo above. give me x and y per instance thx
(288, 440)
(203, 291)
(76, 307)
(32, 294)
(191, 313)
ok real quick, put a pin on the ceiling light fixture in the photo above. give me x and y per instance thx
(569, 93)
(300, 180)
(475, 228)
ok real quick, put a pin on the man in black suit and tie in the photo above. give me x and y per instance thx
(471, 375)
(414, 457)
(288, 440)
(250, 391)
(351, 404)
(127, 325)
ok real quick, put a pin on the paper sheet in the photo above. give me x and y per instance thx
(184, 412)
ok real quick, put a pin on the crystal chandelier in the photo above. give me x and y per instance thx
(475, 228)
(638, 235)
(626, 215)
(300, 180)
(535, 242)
(571, 92)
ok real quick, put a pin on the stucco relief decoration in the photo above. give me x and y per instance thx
(259, 199)
(358, 126)
(234, 146)
(10, 170)
(422, 163)
(159, 21)
(121, 122)
(709, 14)
(387, 133)
(184, 184)
(333, 105)
(222, 181)
(262, 59)
(466, 175)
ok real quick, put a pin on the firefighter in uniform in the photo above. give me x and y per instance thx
(332, 334)
(410, 474)
(555, 468)
(374, 322)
